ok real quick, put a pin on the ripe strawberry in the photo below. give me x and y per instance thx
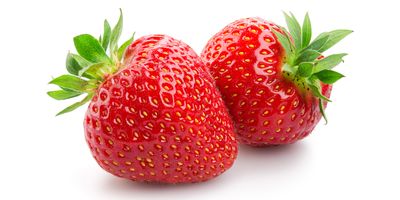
(274, 82)
(155, 116)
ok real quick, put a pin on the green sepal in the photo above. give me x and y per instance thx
(76, 105)
(328, 76)
(106, 35)
(306, 32)
(334, 37)
(302, 57)
(75, 63)
(318, 43)
(97, 70)
(308, 55)
(63, 94)
(91, 65)
(70, 82)
(115, 34)
(286, 44)
(122, 48)
(305, 69)
(316, 90)
(329, 62)
(294, 29)
(322, 110)
(90, 49)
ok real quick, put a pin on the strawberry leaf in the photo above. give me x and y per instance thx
(305, 69)
(328, 76)
(294, 29)
(97, 70)
(90, 49)
(63, 94)
(316, 90)
(322, 110)
(307, 56)
(122, 48)
(70, 82)
(106, 35)
(318, 42)
(75, 63)
(334, 37)
(306, 32)
(284, 41)
(329, 62)
(76, 105)
(92, 63)
(115, 34)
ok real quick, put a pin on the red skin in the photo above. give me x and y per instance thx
(160, 118)
(245, 59)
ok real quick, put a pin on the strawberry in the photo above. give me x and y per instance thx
(275, 83)
(154, 113)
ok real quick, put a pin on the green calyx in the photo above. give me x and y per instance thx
(88, 68)
(303, 62)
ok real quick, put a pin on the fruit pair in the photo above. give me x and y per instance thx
(155, 113)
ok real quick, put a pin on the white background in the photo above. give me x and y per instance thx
(355, 156)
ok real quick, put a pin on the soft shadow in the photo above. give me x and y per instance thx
(122, 186)
(271, 160)
(263, 162)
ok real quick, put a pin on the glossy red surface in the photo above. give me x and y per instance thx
(161, 118)
(246, 61)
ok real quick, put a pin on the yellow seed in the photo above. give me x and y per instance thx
(264, 132)
(158, 146)
(162, 125)
(140, 147)
(163, 138)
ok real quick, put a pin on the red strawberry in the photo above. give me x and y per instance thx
(271, 80)
(155, 116)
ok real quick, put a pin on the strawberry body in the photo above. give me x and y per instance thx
(160, 117)
(267, 106)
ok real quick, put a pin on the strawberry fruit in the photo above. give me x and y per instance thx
(275, 82)
(154, 112)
